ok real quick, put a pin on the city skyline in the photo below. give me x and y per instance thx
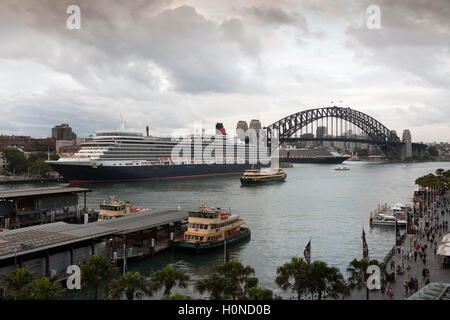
(168, 64)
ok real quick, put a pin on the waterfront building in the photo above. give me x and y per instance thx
(3, 162)
(26, 207)
(14, 141)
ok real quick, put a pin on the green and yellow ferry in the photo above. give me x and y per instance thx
(263, 175)
(209, 228)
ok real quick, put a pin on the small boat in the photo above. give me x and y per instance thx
(386, 220)
(341, 168)
(263, 175)
(114, 209)
(286, 165)
(210, 228)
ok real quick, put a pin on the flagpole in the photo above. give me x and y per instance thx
(365, 250)
(225, 252)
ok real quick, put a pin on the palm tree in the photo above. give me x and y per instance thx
(238, 277)
(257, 293)
(293, 275)
(179, 297)
(323, 280)
(43, 289)
(14, 283)
(133, 285)
(357, 270)
(168, 278)
(215, 284)
(96, 270)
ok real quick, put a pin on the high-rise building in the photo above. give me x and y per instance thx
(241, 129)
(255, 125)
(321, 132)
(63, 132)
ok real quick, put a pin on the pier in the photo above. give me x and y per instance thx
(48, 249)
(411, 267)
(27, 207)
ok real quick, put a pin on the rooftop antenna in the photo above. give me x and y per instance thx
(122, 122)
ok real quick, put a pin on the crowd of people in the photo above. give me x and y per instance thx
(430, 230)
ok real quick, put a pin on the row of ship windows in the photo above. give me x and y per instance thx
(201, 238)
(198, 225)
(213, 226)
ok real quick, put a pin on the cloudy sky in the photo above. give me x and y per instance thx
(171, 63)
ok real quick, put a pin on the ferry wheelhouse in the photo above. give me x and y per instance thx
(117, 208)
(209, 228)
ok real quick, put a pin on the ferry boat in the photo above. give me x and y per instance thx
(114, 209)
(127, 155)
(263, 175)
(209, 228)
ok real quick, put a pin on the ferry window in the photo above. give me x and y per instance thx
(201, 238)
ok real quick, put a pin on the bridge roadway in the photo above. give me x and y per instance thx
(35, 239)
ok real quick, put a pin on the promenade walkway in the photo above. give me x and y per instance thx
(433, 261)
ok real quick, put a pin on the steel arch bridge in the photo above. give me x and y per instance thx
(376, 132)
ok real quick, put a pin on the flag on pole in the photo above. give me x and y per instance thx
(365, 247)
(397, 236)
(307, 252)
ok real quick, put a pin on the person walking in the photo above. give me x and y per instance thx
(383, 290)
(390, 293)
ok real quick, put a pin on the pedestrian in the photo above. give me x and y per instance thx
(382, 290)
(405, 288)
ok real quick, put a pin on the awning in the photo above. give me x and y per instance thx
(446, 238)
(444, 249)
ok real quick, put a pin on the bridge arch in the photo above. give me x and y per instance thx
(375, 130)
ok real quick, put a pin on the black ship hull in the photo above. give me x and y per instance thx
(81, 174)
(333, 160)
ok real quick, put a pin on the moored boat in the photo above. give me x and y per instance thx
(114, 209)
(341, 169)
(209, 228)
(386, 220)
(263, 175)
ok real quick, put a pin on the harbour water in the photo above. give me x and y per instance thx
(328, 206)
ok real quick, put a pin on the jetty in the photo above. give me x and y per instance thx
(48, 249)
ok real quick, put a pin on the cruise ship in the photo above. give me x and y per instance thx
(319, 155)
(126, 155)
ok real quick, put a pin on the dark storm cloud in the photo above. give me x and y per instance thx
(124, 40)
(413, 37)
(277, 16)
